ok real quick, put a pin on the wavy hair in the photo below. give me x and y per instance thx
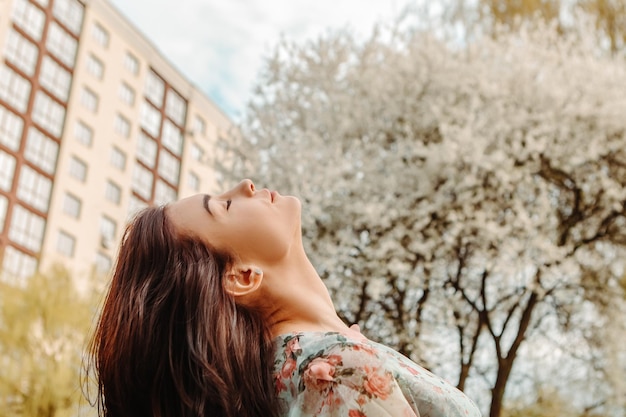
(170, 341)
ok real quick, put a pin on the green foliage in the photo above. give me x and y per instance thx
(42, 334)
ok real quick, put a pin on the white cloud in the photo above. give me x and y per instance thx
(219, 46)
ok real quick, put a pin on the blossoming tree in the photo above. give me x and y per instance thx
(467, 206)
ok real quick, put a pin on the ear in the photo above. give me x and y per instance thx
(243, 280)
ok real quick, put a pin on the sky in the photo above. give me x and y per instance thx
(220, 45)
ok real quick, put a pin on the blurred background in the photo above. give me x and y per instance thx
(462, 168)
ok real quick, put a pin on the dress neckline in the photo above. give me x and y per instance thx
(320, 333)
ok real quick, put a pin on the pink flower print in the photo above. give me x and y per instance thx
(411, 369)
(334, 360)
(288, 367)
(332, 401)
(377, 384)
(365, 348)
(293, 346)
(355, 413)
(319, 374)
(280, 385)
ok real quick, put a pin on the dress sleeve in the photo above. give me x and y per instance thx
(349, 381)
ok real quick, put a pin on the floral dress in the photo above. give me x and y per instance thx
(332, 375)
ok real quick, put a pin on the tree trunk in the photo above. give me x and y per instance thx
(497, 392)
(465, 368)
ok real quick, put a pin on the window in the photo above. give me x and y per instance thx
(146, 150)
(55, 78)
(48, 114)
(71, 205)
(107, 228)
(17, 264)
(83, 133)
(94, 66)
(163, 193)
(41, 151)
(142, 181)
(65, 244)
(78, 169)
(193, 181)
(89, 99)
(7, 162)
(150, 119)
(122, 126)
(29, 18)
(118, 158)
(131, 63)
(11, 127)
(61, 44)
(199, 126)
(169, 167)
(70, 13)
(103, 263)
(14, 89)
(175, 107)
(22, 53)
(4, 204)
(172, 137)
(26, 228)
(113, 192)
(155, 88)
(100, 35)
(127, 94)
(34, 189)
(197, 153)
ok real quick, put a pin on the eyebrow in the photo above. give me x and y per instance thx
(205, 203)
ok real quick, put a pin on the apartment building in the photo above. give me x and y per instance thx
(95, 123)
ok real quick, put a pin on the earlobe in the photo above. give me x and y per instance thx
(243, 281)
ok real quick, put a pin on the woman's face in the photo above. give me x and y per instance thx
(257, 226)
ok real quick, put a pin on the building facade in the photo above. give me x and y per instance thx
(94, 124)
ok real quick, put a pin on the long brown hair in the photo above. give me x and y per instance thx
(170, 341)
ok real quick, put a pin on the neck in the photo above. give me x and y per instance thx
(296, 299)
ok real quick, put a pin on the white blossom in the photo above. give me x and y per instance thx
(459, 185)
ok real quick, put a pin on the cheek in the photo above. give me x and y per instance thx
(258, 241)
(273, 238)
(273, 241)
(267, 237)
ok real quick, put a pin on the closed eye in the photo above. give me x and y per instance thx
(228, 203)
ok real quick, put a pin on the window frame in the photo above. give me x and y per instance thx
(78, 169)
(41, 151)
(61, 44)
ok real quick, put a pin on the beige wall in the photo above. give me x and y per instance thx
(5, 18)
(123, 38)
(94, 205)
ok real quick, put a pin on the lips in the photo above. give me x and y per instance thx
(271, 194)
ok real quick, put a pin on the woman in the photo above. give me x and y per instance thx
(214, 309)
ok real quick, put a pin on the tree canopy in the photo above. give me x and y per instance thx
(465, 205)
(486, 16)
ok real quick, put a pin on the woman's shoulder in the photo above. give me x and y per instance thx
(334, 347)
(335, 374)
(312, 367)
(321, 341)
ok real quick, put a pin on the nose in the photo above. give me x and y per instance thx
(246, 187)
